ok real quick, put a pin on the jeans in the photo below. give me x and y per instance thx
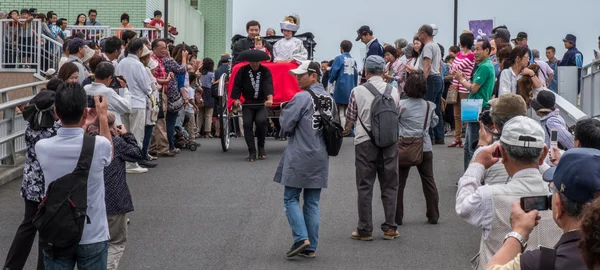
(305, 222)
(471, 136)
(171, 119)
(148, 132)
(88, 257)
(435, 89)
(23, 241)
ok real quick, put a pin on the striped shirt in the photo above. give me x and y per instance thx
(554, 121)
(465, 64)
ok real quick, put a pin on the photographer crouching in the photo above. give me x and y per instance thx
(521, 150)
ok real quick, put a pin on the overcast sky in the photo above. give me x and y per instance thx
(332, 21)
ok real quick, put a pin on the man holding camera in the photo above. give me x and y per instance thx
(523, 150)
(118, 103)
(572, 188)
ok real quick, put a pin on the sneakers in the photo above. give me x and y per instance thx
(135, 168)
(307, 254)
(391, 234)
(297, 248)
(147, 164)
(150, 157)
(357, 236)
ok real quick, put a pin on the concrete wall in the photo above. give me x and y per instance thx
(215, 18)
(109, 11)
(8, 79)
(189, 23)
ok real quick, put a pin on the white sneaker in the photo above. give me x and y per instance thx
(150, 157)
(135, 168)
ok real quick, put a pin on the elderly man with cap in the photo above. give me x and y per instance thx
(572, 189)
(365, 34)
(77, 52)
(523, 150)
(372, 160)
(544, 105)
(573, 57)
(300, 120)
(254, 82)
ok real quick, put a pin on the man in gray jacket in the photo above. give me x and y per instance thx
(305, 162)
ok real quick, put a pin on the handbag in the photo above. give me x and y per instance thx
(410, 149)
(470, 109)
(452, 96)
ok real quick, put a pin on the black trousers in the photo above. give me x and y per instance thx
(255, 115)
(21, 245)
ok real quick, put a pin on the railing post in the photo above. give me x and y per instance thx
(39, 45)
(2, 51)
(10, 146)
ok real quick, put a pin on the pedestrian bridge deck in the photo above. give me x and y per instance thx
(212, 210)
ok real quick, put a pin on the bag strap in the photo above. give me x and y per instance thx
(372, 89)
(426, 116)
(388, 89)
(547, 258)
(317, 101)
(87, 154)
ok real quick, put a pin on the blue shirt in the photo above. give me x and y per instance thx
(554, 83)
(58, 156)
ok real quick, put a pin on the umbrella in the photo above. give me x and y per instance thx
(253, 56)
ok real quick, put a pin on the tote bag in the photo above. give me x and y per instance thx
(470, 109)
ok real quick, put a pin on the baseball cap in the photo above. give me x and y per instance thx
(374, 62)
(225, 57)
(544, 100)
(521, 35)
(523, 131)
(508, 104)
(194, 48)
(362, 30)
(147, 20)
(501, 33)
(577, 184)
(77, 43)
(307, 66)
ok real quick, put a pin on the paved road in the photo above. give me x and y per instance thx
(212, 210)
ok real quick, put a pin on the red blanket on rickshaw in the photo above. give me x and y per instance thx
(285, 86)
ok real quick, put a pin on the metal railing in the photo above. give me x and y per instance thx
(20, 46)
(590, 85)
(51, 53)
(97, 33)
(12, 124)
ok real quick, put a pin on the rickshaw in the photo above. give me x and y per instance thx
(285, 87)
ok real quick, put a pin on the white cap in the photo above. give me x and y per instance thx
(147, 20)
(305, 67)
(524, 132)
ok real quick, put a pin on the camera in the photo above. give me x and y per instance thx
(114, 84)
(540, 203)
(486, 118)
(91, 103)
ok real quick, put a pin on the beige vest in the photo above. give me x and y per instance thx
(546, 233)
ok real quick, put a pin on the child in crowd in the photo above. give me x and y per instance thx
(259, 44)
(190, 108)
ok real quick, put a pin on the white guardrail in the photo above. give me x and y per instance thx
(12, 125)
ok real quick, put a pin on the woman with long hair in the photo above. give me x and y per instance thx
(464, 62)
(412, 64)
(514, 68)
(80, 21)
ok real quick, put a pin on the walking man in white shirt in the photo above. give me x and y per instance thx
(59, 156)
(139, 85)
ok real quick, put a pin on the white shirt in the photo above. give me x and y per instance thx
(190, 94)
(292, 48)
(473, 200)
(140, 85)
(118, 103)
(58, 156)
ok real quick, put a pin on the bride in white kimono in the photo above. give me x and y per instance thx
(290, 48)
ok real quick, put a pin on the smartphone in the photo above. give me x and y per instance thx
(540, 203)
(553, 142)
(497, 153)
(91, 103)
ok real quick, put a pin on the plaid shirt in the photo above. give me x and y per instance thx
(160, 73)
(352, 109)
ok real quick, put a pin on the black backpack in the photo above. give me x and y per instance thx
(62, 213)
(333, 132)
(384, 117)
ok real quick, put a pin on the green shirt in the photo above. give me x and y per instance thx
(486, 77)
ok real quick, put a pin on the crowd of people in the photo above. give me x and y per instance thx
(133, 100)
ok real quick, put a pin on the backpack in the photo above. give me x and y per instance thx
(384, 117)
(333, 132)
(62, 213)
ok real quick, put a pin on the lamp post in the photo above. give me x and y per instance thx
(166, 26)
(455, 21)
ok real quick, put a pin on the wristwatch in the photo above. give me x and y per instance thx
(517, 236)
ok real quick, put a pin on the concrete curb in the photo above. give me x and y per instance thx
(8, 174)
